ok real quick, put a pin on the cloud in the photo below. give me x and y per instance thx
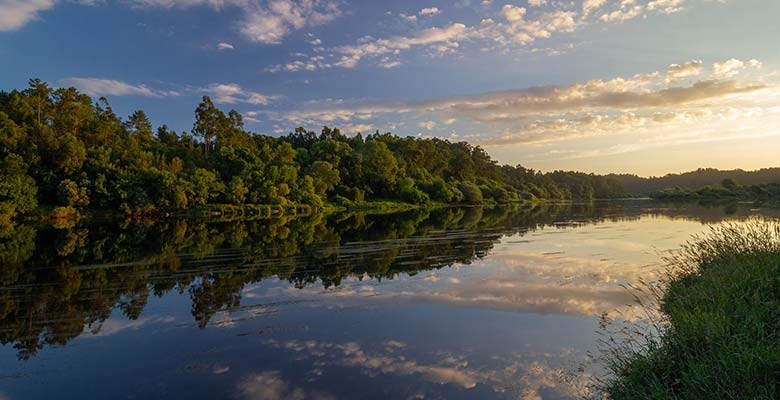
(686, 70)
(666, 6)
(17, 13)
(428, 125)
(443, 39)
(231, 93)
(732, 67)
(628, 9)
(271, 24)
(224, 46)
(655, 103)
(511, 27)
(588, 6)
(264, 21)
(430, 11)
(110, 87)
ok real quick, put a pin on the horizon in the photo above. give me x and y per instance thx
(594, 86)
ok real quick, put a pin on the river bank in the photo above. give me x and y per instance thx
(719, 323)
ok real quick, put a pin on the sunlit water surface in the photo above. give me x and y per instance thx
(445, 304)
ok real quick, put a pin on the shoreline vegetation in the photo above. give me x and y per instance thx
(61, 150)
(729, 189)
(63, 155)
(719, 326)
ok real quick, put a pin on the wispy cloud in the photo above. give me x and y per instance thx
(662, 101)
(232, 93)
(263, 21)
(14, 14)
(224, 46)
(111, 87)
(509, 27)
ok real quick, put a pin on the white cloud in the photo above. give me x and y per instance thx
(427, 125)
(733, 67)
(666, 6)
(111, 87)
(442, 39)
(589, 6)
(272, 23)
(231, 93)
(512, 27)
(224, 46)
(430, 11)
(410, 18)
(629, 9)
(264, 21)
(14, 14)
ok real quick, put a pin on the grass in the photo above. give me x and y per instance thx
(719, 327)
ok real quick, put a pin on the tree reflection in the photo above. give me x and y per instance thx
(57, 282)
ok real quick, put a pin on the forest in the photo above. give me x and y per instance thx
(61, 150)
(728, 190)
(694, 180)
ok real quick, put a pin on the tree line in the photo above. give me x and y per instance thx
(728, 190)
(694, 180)
(59, 148)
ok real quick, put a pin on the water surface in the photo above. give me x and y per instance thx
(443, 304)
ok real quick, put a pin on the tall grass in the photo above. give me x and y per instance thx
(716, 333)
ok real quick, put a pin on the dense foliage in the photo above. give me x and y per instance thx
(59, 148)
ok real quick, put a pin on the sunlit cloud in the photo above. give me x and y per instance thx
(685, 70)
(660, 102)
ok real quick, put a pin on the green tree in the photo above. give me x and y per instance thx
(204, 187)
(18, 191)
(209, 122)
(379, 166)
(71, 194)
(729, 183)
(325, 177)
(236, 191)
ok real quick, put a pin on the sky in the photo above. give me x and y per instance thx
(631, 86)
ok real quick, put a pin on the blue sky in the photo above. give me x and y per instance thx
(641, 86)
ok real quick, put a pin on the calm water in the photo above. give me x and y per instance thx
(452, 303)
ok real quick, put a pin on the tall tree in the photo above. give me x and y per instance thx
(209, 122)
(40, 92)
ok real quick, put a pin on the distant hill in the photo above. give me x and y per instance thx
(635, 185)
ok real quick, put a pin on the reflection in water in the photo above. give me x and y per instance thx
(327, 293)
